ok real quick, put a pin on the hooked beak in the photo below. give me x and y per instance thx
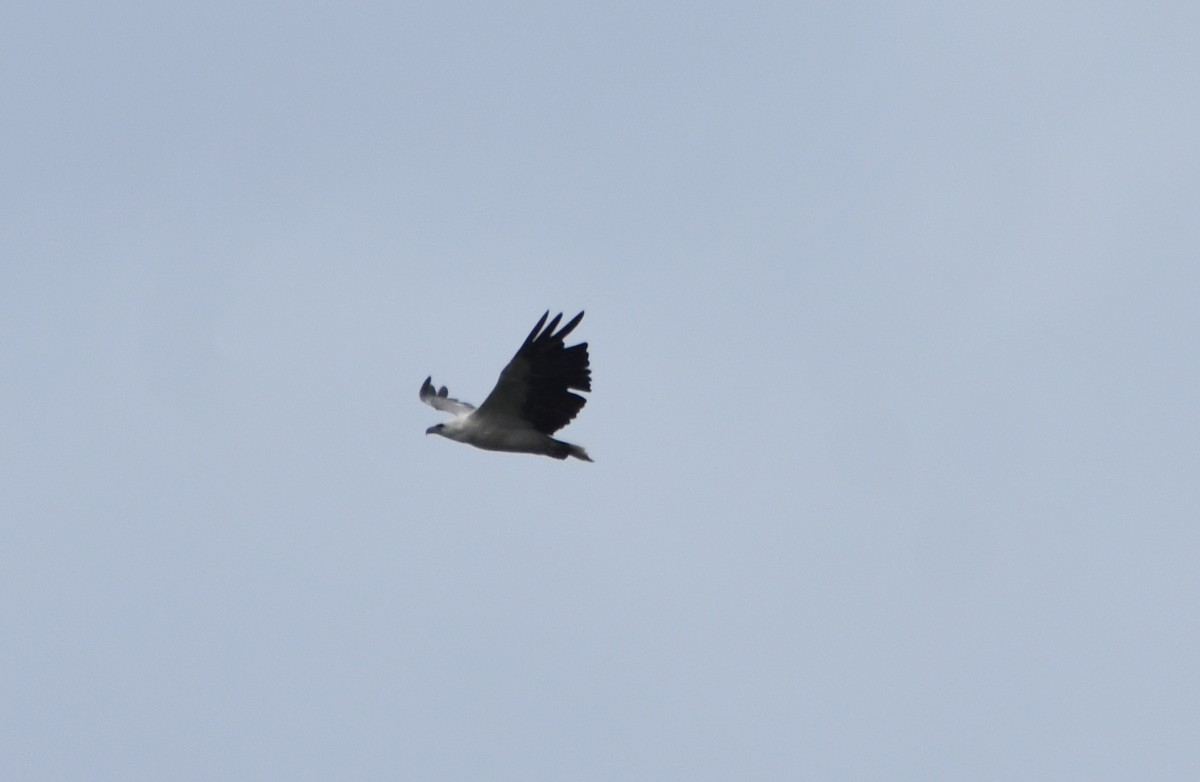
(431, 430)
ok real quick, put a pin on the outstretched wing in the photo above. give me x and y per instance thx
(437, 399)
(536, 385)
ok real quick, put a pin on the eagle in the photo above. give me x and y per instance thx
(532, 400)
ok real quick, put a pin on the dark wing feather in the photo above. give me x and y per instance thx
(536, 385)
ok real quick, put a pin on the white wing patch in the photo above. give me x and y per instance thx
(439, 399)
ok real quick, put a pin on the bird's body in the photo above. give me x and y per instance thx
(506, 436)
(532, 400)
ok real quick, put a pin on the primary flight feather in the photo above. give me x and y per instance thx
(532, 400)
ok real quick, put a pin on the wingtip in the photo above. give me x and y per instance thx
(536, 330)
(569, 327)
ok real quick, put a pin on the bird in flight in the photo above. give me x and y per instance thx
(531, 401)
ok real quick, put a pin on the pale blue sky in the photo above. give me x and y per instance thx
(893, 314)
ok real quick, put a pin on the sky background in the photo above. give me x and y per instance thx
(894, 336)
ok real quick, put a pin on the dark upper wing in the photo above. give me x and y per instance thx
(536, 385)
(439, 399)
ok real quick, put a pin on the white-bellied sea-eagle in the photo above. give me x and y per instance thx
(532, 400)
